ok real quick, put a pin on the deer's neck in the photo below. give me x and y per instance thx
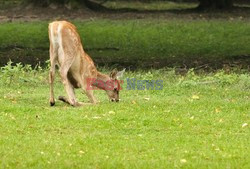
(101, 80)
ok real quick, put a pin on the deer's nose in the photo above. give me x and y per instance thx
(115, 100)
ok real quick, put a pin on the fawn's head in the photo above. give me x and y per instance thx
(113, 91)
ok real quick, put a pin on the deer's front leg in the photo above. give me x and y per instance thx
(88, 91)
(91, 96)
(64, 99)
(71, 94)
(68, 86)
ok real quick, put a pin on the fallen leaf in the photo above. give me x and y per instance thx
(195, 97)
(111, 112)
(96, 117)
(217, 110)
(12, 117)
(217, 149)
(147, 98)
(183, 160)
(244, 125)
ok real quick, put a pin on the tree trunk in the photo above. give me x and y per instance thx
(215, 4)
(94, 5)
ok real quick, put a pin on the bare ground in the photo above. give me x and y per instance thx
(30, 13)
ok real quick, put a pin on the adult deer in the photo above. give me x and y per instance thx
(76, 67)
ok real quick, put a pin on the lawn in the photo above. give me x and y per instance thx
(142, 42)
(195, 121)
(157, 5)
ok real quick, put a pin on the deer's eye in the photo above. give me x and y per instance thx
(116, 90)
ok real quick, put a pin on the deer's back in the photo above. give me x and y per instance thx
(65, 38)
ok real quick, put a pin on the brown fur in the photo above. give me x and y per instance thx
(75, 64)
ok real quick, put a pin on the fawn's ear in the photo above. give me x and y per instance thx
(113, 74)
(120, 73)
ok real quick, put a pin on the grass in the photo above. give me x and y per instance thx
(158, 5)
(135, 41)
(196, 121)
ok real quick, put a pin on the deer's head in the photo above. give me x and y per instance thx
(114, 83)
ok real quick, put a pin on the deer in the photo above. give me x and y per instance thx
(76, 68)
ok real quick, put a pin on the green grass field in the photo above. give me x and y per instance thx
(196, 121)
(171, 42)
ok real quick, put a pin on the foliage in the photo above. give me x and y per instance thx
(15, 74)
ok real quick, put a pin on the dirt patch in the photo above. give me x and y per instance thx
(48, 14)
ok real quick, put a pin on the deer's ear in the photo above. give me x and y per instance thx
(120, 73)
(113, 74)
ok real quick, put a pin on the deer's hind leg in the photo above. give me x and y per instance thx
(53, 57)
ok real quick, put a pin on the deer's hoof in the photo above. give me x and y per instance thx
(62, 98)
(52, 103)
(77, 104)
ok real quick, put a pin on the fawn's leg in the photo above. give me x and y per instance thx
(53, 56)
(88, 91)
(67, 85)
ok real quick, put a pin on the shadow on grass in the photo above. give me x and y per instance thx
(34, 56)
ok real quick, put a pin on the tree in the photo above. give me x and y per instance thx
(215, 4)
